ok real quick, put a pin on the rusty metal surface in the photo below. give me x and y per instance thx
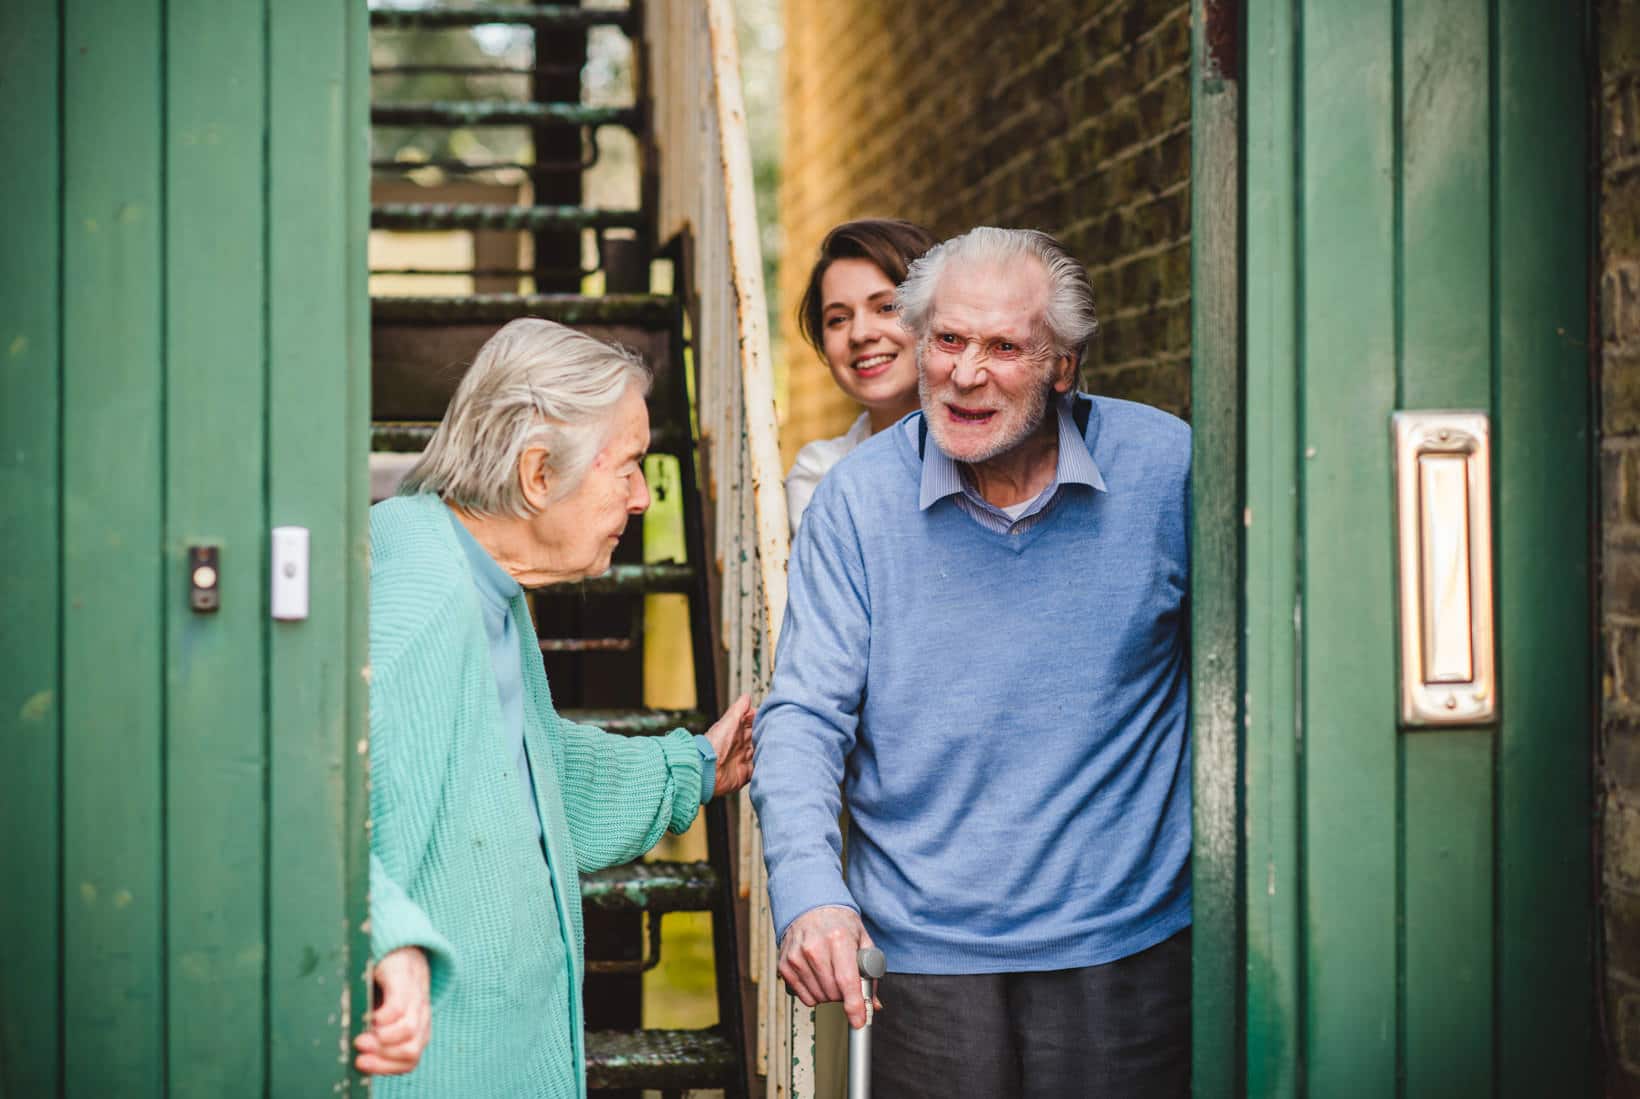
(658, 1059)
(638, 310)
(471, 215)
(651, 887)
(542, 17)
(640, 722)
(501, 112)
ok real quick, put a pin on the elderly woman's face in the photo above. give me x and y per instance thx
(579, 532)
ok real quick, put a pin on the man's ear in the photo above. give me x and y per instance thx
(1064, 374)
(534, 477)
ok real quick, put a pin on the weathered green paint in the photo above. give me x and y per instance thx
(1415, 239)
(215, 404)
(642, 310)
(659, 1059)
(30, 587)
(544, 17)
(1270, 756)
(184, 877)
(641, 722)
(652, 887)
(639, 580)
(113, 610)
(1215, 560)
(474, 215)
(502, 113)
(316, 417)
(1540, 323)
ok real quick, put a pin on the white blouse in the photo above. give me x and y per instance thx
(814, 461)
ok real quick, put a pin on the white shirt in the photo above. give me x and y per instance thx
(814, 461)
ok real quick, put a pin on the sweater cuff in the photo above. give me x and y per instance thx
(797, 890)
(396, 921)
(708, 768)
(684, 765)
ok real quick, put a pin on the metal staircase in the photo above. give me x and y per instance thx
(530, 258)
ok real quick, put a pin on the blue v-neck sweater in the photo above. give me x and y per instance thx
(1005, 712)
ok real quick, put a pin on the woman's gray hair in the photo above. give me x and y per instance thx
(533, 383)
(1068, 314)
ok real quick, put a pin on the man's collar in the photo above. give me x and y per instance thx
(942, 477)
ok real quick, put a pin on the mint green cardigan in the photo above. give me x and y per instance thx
(455, 865)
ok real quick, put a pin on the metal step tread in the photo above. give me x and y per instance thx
(639, 722)
(634, 580)
(501, 112)
(650, 311)
(476, 215)
(653, 887)
(541, 17)
(661, 1059)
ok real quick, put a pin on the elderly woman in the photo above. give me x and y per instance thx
(485, 803)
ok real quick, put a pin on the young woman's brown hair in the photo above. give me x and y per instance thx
(890, 243)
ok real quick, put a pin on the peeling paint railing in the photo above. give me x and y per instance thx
(705, 197)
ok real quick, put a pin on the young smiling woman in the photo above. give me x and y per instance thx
(847, 314)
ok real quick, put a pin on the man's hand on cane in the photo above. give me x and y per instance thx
(818, 960)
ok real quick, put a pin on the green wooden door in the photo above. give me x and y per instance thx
(1411, 908)
(183, 335)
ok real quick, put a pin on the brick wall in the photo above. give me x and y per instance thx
(1619, 305)
(1074, 118)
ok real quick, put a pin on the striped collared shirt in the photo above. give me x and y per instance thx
(942, 477)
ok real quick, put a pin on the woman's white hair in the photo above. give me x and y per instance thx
(1068, 315)
(533, 383)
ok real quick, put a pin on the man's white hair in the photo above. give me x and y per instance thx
(1067, 316)
(533, 383)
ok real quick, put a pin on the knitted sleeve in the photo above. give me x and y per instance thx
(411, 720)
(621, 794)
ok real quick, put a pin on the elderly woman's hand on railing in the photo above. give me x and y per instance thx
(731, 739)
(402, 1021)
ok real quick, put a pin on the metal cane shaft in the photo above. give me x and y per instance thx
(872, 965)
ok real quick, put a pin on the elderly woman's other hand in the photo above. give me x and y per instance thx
(731, 738)
(402, 1021)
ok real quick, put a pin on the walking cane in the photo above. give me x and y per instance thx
(872, 966)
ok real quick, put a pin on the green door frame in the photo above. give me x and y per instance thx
(1359, 249)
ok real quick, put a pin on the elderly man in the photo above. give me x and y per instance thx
(984, 649)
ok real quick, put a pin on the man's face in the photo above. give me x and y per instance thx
(987, 367)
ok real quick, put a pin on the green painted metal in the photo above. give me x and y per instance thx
(502, 113)
(315, 418)
(639, 579)
(1415, 239)
(30, 585)
(1215, 558)
(1543, 431)
(1445, 361)
(113, 507)
(185, 330)
(653, 887)
(473, 215)
(1272, 954)
(215, 456)
(542, 17)
(651, 311)
(659, 1059)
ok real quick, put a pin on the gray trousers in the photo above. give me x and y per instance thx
(1115, 1030)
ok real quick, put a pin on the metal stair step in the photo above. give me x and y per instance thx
(474, 215)
(653, 887)
(502, 113)
(541, 17)
(653, 311)
(637, 580)
(640, 722)
(659, 1059)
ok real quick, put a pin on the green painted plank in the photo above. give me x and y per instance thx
(1215, 604)
(356, 91)
(1348, 676)
(1274, 991)
(114, 1007)
(1446, 362)
(1545, 981)
(310, 145)
(214, 397)
(31, 690)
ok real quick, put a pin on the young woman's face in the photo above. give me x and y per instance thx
(870, 355)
